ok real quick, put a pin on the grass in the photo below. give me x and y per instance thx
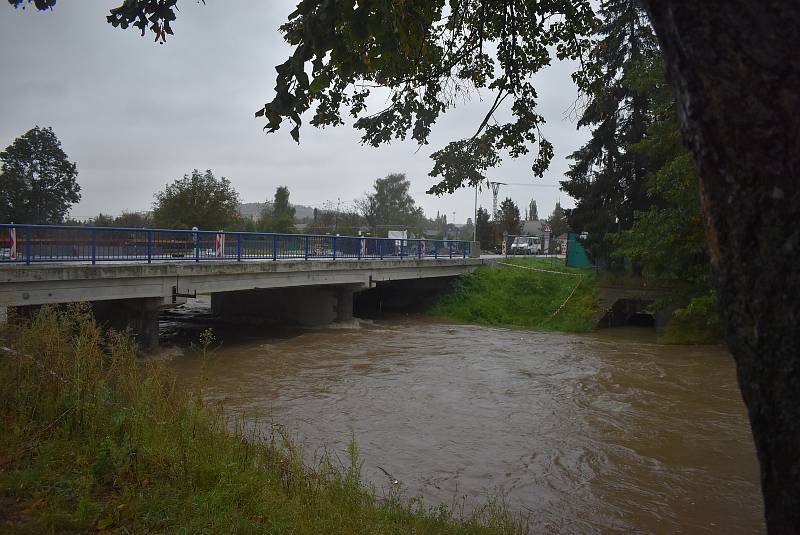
(95, 439)
(526, 298)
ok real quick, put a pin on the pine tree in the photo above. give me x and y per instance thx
(606, 181)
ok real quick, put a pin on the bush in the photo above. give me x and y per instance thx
(697, 323)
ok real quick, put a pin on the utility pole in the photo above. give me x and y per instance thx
(475, 216)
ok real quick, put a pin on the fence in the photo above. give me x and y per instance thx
(60, 243)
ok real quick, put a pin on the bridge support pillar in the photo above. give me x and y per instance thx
(305, 305)
(140, 315)
(344, 304)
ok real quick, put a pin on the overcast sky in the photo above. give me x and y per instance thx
(135, 115)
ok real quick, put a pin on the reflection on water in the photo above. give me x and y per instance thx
(606, 431)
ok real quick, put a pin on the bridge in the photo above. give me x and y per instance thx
(130, 274)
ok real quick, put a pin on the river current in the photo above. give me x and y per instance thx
(600, 432)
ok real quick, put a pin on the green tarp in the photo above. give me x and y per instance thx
(576, 254)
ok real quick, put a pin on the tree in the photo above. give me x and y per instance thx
(732, 65)
(483, 229)
(103, 220)
(533, 211)
(278, 216)
(38, 184)
(200, 200)
(558, 221)
(509, 217)
(391, 205)
(132, 220)
(607, 181)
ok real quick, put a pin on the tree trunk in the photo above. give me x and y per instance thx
(735, 68)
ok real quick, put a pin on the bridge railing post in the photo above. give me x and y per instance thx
(94, 246)
(238, 247)
(464, 249)
(274, 247)
(436, 249)
(334, 247)
(28, 246)
(419, 249)
(197, 246)
(149, 246)
(307, 246)
(402, 247)
(450, 245)
(380, 248)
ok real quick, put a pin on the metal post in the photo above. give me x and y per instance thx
(334, 247)
(197, 246)
(307, 238)
(149, 246)
(450, 245)
(238, 247)
(380, 247)
(475, 216)
(402, 248)
(274, 247)
(28, 246)
(436, 249)
(419, 249)
(464, 249)
(94, 246)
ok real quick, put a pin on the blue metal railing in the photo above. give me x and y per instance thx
(61, 243)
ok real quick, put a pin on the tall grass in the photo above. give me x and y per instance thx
(523, 297)
(95, 439)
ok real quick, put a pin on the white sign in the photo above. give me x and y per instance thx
(12, 247)
(219, 244)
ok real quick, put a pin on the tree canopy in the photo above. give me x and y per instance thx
(200, 200)
(483, 229)
(38, 184)
(391, 205)
(509, 216)
(558, 221)
(278, 215)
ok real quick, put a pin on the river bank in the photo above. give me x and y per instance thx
(544, 294)
(96, 440)
(536, 293)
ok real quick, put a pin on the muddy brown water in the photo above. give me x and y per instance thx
(583, 433)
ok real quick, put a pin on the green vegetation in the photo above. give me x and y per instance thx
(38, 183)
(95, 439)
(524, 297)
(697, 323)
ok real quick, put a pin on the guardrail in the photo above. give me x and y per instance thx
(62, 243)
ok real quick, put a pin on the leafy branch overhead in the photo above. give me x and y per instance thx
(429, 56)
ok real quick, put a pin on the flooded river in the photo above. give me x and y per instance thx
(600, 432)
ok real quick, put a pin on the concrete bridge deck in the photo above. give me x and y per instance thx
(22, 285)
(309, 292)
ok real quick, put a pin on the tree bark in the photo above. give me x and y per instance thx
(735, 68)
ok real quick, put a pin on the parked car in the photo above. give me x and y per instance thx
(526, 245)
